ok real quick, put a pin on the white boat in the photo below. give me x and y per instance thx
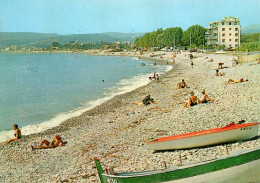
(230, 133)
(239, 167)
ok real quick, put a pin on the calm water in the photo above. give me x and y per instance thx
(39, 91)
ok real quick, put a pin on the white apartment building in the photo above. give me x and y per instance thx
(225, 32)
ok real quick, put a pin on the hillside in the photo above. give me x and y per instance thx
(28, 39)
(251, 29)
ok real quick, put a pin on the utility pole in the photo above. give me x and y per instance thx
(190, 40)
(203, 39)
(174, 40)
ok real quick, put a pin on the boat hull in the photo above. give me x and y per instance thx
(229, 169)
(206, 139)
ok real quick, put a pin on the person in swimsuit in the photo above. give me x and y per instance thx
(17, 134)
(231, 81)
(181, 84)
(57, 141)
(193, 100)
(205, 98)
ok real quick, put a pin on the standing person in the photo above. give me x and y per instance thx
(57, 141)
(205, 98)
(192, 101)
(157, 78)
(191, 63)
(17, 134)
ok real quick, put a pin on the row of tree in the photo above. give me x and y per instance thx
(174, 37)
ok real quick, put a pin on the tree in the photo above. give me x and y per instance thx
(55, 44)
(194, 35)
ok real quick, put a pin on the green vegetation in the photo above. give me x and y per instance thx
(40, 41)
(250, 42)
(173, 37)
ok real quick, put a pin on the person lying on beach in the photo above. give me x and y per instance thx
(205, 98)
(17, 134)
(146, 101)
(211, 60)
(181, 84)
(45, 144)
(193, 100)
(231, 81)
(258, 62)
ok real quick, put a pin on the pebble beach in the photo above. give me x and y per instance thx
(116, 131)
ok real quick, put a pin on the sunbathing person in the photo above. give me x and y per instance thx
(181, 84)
(57, 141)
(17, 134)
(231, 81)
(192, 101)
(258, 62)
(205, 98)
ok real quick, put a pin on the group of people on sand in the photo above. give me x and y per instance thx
(45, 144)
(194, 100)
(154, 77)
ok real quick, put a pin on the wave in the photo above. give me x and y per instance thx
(123, 86)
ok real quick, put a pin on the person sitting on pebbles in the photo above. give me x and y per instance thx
(193, 100)
(146, 101)
(57, 141)
(205, 98)
(231, 81)
(181, 84)
(17, 134)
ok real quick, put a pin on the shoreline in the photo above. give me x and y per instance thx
(74, 112)
(116, 130)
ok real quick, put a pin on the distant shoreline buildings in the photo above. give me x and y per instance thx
(225, 32)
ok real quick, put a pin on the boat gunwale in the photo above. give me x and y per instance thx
(177, 168)
(202, 133)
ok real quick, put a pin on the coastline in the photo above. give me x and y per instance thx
(116, 130)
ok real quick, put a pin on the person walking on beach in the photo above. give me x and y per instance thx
(157, 78)
(57, 141)
(17, 134)
(191, 63)
(205, 98)
(192, 101)
(181, 84)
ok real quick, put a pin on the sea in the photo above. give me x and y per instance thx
(39, 91)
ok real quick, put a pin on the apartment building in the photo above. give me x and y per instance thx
(225, 32)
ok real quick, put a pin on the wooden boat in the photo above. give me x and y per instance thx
(237, 167)
(230, 133)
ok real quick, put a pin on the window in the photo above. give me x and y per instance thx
(236, 45)
(236, 29)
(236, 40)
(229, 28)
(223, 35)
(223, 40)
(230, 34)
(230, 40)
(223, 23)
(223, 29)
(229, 23)
(235, 23)
(236, 34)
(230, 45)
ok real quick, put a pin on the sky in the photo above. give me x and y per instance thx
(129, 16)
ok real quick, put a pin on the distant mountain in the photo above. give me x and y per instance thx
(251, 29)
(28, 39)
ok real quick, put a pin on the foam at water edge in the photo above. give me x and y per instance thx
(125, 85)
